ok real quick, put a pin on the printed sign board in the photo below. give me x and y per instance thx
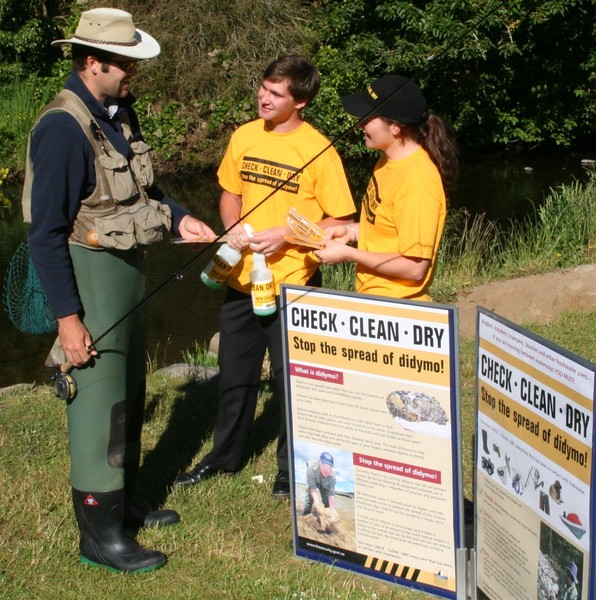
(534, 466)
(373, 425)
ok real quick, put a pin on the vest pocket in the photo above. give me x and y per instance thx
(150, 221)
(119, 178)
(137, 225)
(141, 163)
(116, 231)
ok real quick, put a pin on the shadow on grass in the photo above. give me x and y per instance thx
(265, 428)
(189, 427)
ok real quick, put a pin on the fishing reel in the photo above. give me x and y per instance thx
(65, 387)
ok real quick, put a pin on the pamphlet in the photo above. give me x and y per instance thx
(304, 232)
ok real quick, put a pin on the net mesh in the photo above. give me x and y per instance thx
(23, 297)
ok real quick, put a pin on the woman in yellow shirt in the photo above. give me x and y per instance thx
(403, 209)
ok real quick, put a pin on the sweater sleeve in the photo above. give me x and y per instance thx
(62, 160)
(178, 212)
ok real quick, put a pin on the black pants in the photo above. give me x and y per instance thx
(244, 339)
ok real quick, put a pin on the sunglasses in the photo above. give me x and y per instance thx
(124, 65)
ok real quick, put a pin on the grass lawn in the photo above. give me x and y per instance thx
(234, 540)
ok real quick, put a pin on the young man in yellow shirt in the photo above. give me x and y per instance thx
(267, 154)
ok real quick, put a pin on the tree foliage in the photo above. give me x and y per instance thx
(502, 71)
(26, 29)
(213, 55)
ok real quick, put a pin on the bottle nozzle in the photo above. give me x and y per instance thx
(258, 261)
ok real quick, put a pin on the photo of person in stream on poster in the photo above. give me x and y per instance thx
(324, 499)
(320, 493)
(560, 567)
(396, 241)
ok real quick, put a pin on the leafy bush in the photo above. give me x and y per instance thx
(164, 126)
(517, 73)
(26, 30)
(560, 234)
(20, 103)
(504, 73)
(212, 59)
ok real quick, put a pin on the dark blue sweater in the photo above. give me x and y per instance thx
(64, 171)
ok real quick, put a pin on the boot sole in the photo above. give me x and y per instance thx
(87, 561)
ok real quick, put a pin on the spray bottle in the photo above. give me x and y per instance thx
(221, 265)
(263, 287)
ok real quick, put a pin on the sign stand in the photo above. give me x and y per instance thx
(534, 466)
(372, 393)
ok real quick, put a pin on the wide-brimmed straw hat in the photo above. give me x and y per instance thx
(112, 30)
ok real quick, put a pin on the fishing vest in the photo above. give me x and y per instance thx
(118, 214)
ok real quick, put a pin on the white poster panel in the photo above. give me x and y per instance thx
(373, 423)
(534, 466)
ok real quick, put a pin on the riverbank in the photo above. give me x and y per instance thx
(533, 299)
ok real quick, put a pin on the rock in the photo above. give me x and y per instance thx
(532, 299)
(214, 344)
(17, 387)
(186, 371)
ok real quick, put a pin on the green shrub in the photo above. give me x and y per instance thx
(164, 126)
(339, 277)
(475, 250)
(199, 355)
(20, 103)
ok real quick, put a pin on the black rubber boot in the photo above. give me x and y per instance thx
(103, 542)
(136, 517)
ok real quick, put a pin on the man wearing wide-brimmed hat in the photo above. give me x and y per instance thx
(568, 587)
(94, 208)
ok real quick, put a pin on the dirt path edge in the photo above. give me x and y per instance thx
(532, 299)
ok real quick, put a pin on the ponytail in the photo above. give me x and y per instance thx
(436, 136)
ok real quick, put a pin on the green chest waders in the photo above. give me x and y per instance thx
(103, 418)
(110, 390)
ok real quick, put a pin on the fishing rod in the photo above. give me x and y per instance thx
(179, 274)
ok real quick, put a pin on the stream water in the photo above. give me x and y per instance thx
(185, 312)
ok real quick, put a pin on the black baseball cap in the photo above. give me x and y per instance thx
(393, 96)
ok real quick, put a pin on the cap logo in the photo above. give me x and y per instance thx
(371, 92)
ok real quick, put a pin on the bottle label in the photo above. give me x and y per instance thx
(263, 295)
(219, 269)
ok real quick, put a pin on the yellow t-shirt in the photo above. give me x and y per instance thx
(255, 163)
(403, 211)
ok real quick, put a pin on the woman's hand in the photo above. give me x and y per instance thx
(334, 252)
(346, 233)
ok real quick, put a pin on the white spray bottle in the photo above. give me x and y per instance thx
(263, 287)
